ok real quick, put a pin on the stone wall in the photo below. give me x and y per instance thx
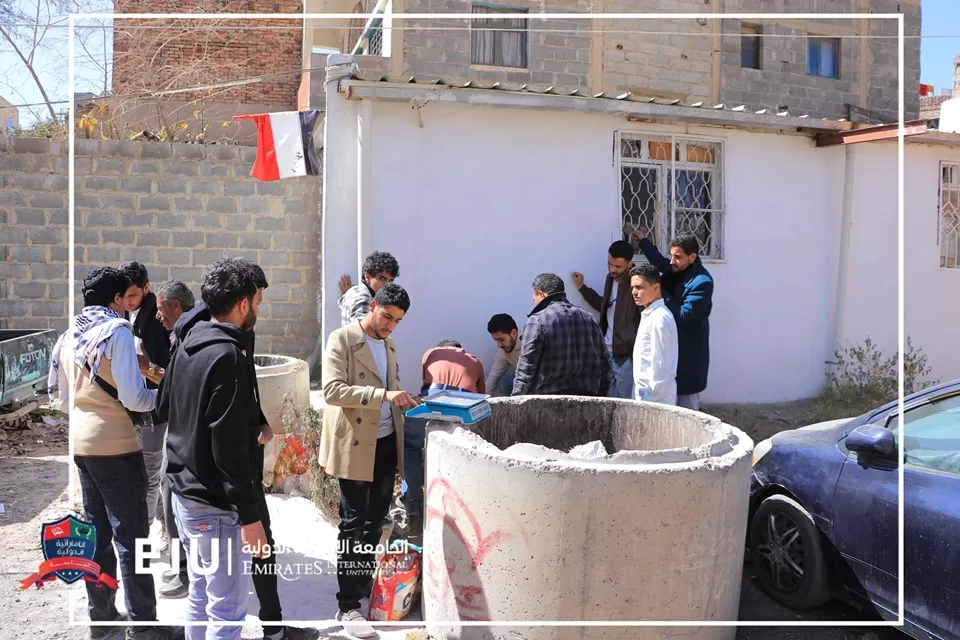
(175, 207)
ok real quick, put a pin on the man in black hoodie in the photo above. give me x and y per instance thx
(264, 569)
(210, 400)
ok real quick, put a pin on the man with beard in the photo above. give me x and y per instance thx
(619, 316)
(209, 396)
(688, 293)
(264, 568)
(503, 329)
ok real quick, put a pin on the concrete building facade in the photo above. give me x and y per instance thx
(840, 69)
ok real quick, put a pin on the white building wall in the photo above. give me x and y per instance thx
(932, 294)
(477, 201)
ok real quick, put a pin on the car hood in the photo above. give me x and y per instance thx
(828, 431)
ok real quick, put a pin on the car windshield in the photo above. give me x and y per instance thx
(932, 435)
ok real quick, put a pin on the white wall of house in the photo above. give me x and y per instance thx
(477, 201)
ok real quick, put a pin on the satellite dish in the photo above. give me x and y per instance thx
(950, 116)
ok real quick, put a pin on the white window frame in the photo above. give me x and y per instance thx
(948, 178)
(666, 212)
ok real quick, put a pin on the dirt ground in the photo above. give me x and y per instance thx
(34, 477)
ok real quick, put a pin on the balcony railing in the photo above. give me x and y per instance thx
(374, 41)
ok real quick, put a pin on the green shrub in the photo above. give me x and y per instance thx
(325, 491)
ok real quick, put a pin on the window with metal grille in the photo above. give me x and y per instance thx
(823, 57)
(673, 184)
(750, 46)
(500, 42)
(949, 214)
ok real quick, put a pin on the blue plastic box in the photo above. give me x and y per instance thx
(453, 406)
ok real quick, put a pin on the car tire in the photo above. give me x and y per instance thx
(797, 544)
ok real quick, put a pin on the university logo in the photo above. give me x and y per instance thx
(69, 545)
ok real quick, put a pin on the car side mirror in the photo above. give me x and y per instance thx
(871, 439)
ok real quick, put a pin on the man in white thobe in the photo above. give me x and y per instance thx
(655, 350)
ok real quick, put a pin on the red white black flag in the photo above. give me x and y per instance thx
(285, 147)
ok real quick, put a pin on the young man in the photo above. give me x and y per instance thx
(362, 424)
(379, 268)
(95, 363)
(619, 317)
(503, 329)
(174, 298)
(153, 343)
(688, 293)
(563, 350)
(209, 396)
(655, 352)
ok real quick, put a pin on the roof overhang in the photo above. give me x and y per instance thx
(637, 110)
(871, 133)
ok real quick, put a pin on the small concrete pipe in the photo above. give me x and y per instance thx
(518, 529)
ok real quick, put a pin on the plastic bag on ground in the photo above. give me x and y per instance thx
(589, 450)
(396, 583)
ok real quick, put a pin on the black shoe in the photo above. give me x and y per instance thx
(100, 633)
(175, 589)
(154, 633)
(296, 633)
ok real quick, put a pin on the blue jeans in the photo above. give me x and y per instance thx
(152, 440)
(505, 383)
(218, 572)
(414, 436)
(114, 500)
(621, 386)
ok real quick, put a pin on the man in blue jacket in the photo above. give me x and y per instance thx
(688, 292)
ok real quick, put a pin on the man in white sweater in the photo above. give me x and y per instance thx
(655, 352)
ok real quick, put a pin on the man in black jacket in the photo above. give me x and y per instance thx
(264, 569)
(209, 398)
(153, 348)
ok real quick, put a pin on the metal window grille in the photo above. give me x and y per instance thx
(670, 185)
(949, 214)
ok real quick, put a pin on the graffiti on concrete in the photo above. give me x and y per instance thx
(446, 507)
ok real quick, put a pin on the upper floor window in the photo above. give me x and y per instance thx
(823, 57)
(500, 42)
(750, 46)
(949, 214)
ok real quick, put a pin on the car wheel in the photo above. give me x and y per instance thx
(787, 554)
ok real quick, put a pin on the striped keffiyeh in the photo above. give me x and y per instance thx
(88, 334)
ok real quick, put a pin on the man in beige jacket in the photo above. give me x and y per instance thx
(362, 424)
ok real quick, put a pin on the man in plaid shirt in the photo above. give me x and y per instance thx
(379, 268)
(563, 350)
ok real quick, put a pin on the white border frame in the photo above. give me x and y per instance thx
(71, 54)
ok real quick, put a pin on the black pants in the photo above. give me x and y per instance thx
(363, 506)
(114, 500)
(265, 573)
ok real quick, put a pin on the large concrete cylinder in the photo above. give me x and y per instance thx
(284, 385)
(518, 529)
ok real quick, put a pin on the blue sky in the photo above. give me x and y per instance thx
(940, 18)
(941, 42)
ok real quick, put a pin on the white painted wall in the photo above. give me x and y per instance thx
(478, 201)
(932, 294)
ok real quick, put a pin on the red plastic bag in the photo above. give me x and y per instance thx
(396, 583)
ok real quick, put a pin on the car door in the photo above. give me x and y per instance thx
(865, 517)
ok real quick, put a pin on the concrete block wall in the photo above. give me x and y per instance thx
(558, 50)
(685, 59)
(175, 207)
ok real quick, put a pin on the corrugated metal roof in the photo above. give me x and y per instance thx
(374, 75)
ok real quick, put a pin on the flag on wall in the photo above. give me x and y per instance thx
(285, 147)
(926, 89)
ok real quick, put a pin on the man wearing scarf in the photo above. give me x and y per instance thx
(94, 363)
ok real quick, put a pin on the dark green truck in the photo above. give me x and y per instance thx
(24, 362)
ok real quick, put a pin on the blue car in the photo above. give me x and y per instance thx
(823, 513)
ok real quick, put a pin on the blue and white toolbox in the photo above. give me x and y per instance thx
(453, 406)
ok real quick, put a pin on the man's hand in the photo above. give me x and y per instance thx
(143, 361)
(345, 283)
(154, 374)
(266, 434)
(641, 233)
(401, 399)
(577, 279)
(254, 539)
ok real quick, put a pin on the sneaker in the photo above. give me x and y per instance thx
(164, 541)
(154, 633)
(175, 589)
(169, 575)
(101, 633)
(355, 625)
